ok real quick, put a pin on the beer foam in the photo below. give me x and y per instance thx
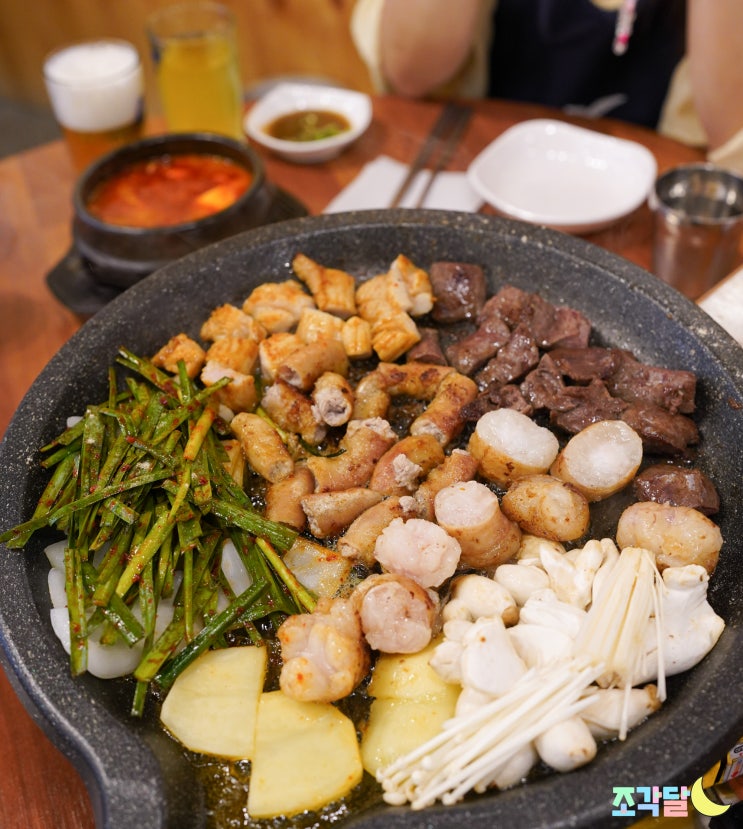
(94, 87)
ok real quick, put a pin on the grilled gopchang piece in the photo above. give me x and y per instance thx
(329, 513)
(278, 305)
(332, 289)
(324, 652)
(390, 301)
(332, 398)
(470, 512)
(283, 498)
(364, 444)
(234, 337)
(358, 541)
(315, 324)
(230, 321)
(401, 467)
(305, 365)
(397, 614)
(180, 347)
(262, 446)
(292, 410)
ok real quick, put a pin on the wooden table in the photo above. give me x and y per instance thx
(39, 788)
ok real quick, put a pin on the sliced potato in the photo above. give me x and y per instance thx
(397, 726)
(306, 756)
(411, 704)
(409, 676)
(212, 705)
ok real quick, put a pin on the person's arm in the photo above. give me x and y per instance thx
(423, 43)
(715, 51)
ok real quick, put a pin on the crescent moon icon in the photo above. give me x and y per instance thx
(702, 803)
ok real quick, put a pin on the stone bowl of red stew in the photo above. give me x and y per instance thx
(152, 202)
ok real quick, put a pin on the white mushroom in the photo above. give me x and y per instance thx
(611, 556)
(521, 580)
(539, 645)
(447, 656)
(489, 660)
(690, 627)
(544, 608)
(515, 769)
(604, 715)
(530, 549)
(567, 745)
(471, 700)
(572, 580)
(474, 596)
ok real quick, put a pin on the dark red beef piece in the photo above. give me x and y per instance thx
(510, 397)
(428, 349)
(494, 397)
(506, 304)
(680, 486)
(473, 351)
(570, 329)
(475, 409)
(538, 317)
(636, 382)
(580, 406)
(513, 360)
(543, 387)
(460, 291)
(662, 432)
(585, 364)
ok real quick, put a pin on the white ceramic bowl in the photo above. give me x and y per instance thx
(290, 97)
(562, 176)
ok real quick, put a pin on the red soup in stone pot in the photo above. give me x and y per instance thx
(169, 190)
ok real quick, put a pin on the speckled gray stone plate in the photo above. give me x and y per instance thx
(137, 777)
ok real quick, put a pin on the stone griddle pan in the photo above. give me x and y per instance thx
(137, 777)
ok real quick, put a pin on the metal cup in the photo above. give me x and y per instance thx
(698, 223)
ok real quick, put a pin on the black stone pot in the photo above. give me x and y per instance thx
(120, 256)
(136, 775)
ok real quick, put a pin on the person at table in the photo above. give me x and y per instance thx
(676, 68)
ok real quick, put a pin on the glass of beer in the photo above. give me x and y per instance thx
(96, 89)
(195, 57)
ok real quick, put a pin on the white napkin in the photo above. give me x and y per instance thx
(375, 186)
(724, 303)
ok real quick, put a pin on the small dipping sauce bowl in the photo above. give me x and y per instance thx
(119, 255)
(352, 109)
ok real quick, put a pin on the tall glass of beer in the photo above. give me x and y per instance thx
(195, 57)
(96, 89)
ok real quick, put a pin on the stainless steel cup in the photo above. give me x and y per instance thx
(698, 223)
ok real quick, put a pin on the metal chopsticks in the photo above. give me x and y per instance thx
(442, 139)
